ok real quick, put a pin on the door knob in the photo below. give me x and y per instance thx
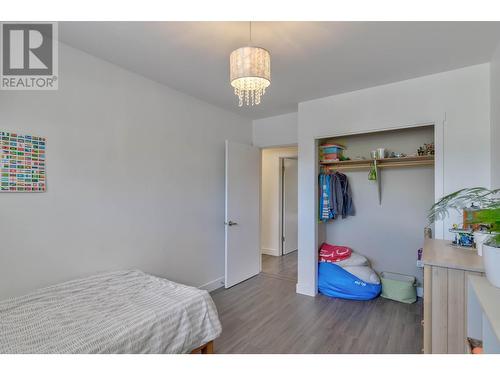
(231, 223)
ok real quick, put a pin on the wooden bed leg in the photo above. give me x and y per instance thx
(208, 348)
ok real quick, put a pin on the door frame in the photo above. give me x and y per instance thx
(307, 283)
(281, 200)
(288, 151)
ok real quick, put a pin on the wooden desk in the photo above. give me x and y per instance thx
(483, 317)
(446, 269)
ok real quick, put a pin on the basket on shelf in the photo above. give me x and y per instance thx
(331, 152)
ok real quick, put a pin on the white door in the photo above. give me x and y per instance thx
(290, 205)
(242, 212)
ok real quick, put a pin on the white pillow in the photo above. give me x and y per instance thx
(354, 260)
(364, 273)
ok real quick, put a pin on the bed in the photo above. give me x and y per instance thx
(117, 312)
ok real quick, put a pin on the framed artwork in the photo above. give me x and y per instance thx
(22, 163)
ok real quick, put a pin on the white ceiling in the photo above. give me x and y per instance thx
(309, 59)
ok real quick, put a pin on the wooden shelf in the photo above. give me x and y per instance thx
(354, 165)
(410, 161)
(346, 162)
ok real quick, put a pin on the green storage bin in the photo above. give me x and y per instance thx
(398, 287)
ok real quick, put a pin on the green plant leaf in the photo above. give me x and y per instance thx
(479, 196)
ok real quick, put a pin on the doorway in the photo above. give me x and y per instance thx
(279, 201)
(289, 206)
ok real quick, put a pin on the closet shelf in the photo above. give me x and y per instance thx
(410, 161)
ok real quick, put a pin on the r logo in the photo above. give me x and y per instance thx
(28, 56)
(27, 49)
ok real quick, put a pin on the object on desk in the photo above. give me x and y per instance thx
(463, 237)
(479, 239)
(373, 154)
(491, 257)
(470, 217)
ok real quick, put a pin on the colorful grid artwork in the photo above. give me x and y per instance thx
(22, 162)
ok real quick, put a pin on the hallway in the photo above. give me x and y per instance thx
(283, 267)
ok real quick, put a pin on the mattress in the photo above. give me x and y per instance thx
(117, 312)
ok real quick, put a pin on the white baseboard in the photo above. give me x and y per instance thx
(306, 290)
(420, 291)
(212, 285)
(273, 252)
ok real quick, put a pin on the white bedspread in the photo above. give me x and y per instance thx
(117, 312)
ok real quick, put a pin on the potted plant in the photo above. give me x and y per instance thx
(488, 201)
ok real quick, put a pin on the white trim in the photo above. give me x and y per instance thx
(375, 130)
(307, 290)
(260, 206)
(281, 184)
(274, 252)
(213, 285)
(439, 144)
(226, 188)
(280, 204)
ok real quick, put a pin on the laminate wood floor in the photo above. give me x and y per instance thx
(265, 315)
(284, 267)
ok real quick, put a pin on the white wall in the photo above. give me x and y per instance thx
(390, 233)
(275, 131)
(495, 119)
(270, 204)
(135, 175)
(457, 101)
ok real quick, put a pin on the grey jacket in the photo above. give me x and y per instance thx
(341, 195)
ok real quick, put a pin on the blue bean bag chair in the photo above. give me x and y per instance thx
(334, 281)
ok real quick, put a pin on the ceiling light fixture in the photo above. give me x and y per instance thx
(250, 73)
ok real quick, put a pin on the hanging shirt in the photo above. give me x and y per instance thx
(326, 208)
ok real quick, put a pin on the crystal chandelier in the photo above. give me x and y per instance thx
(250, 73)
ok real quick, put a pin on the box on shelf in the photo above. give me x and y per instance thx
(330, 152)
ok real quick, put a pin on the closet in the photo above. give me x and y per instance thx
(390, 212)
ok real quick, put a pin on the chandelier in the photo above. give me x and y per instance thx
(250, 73)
